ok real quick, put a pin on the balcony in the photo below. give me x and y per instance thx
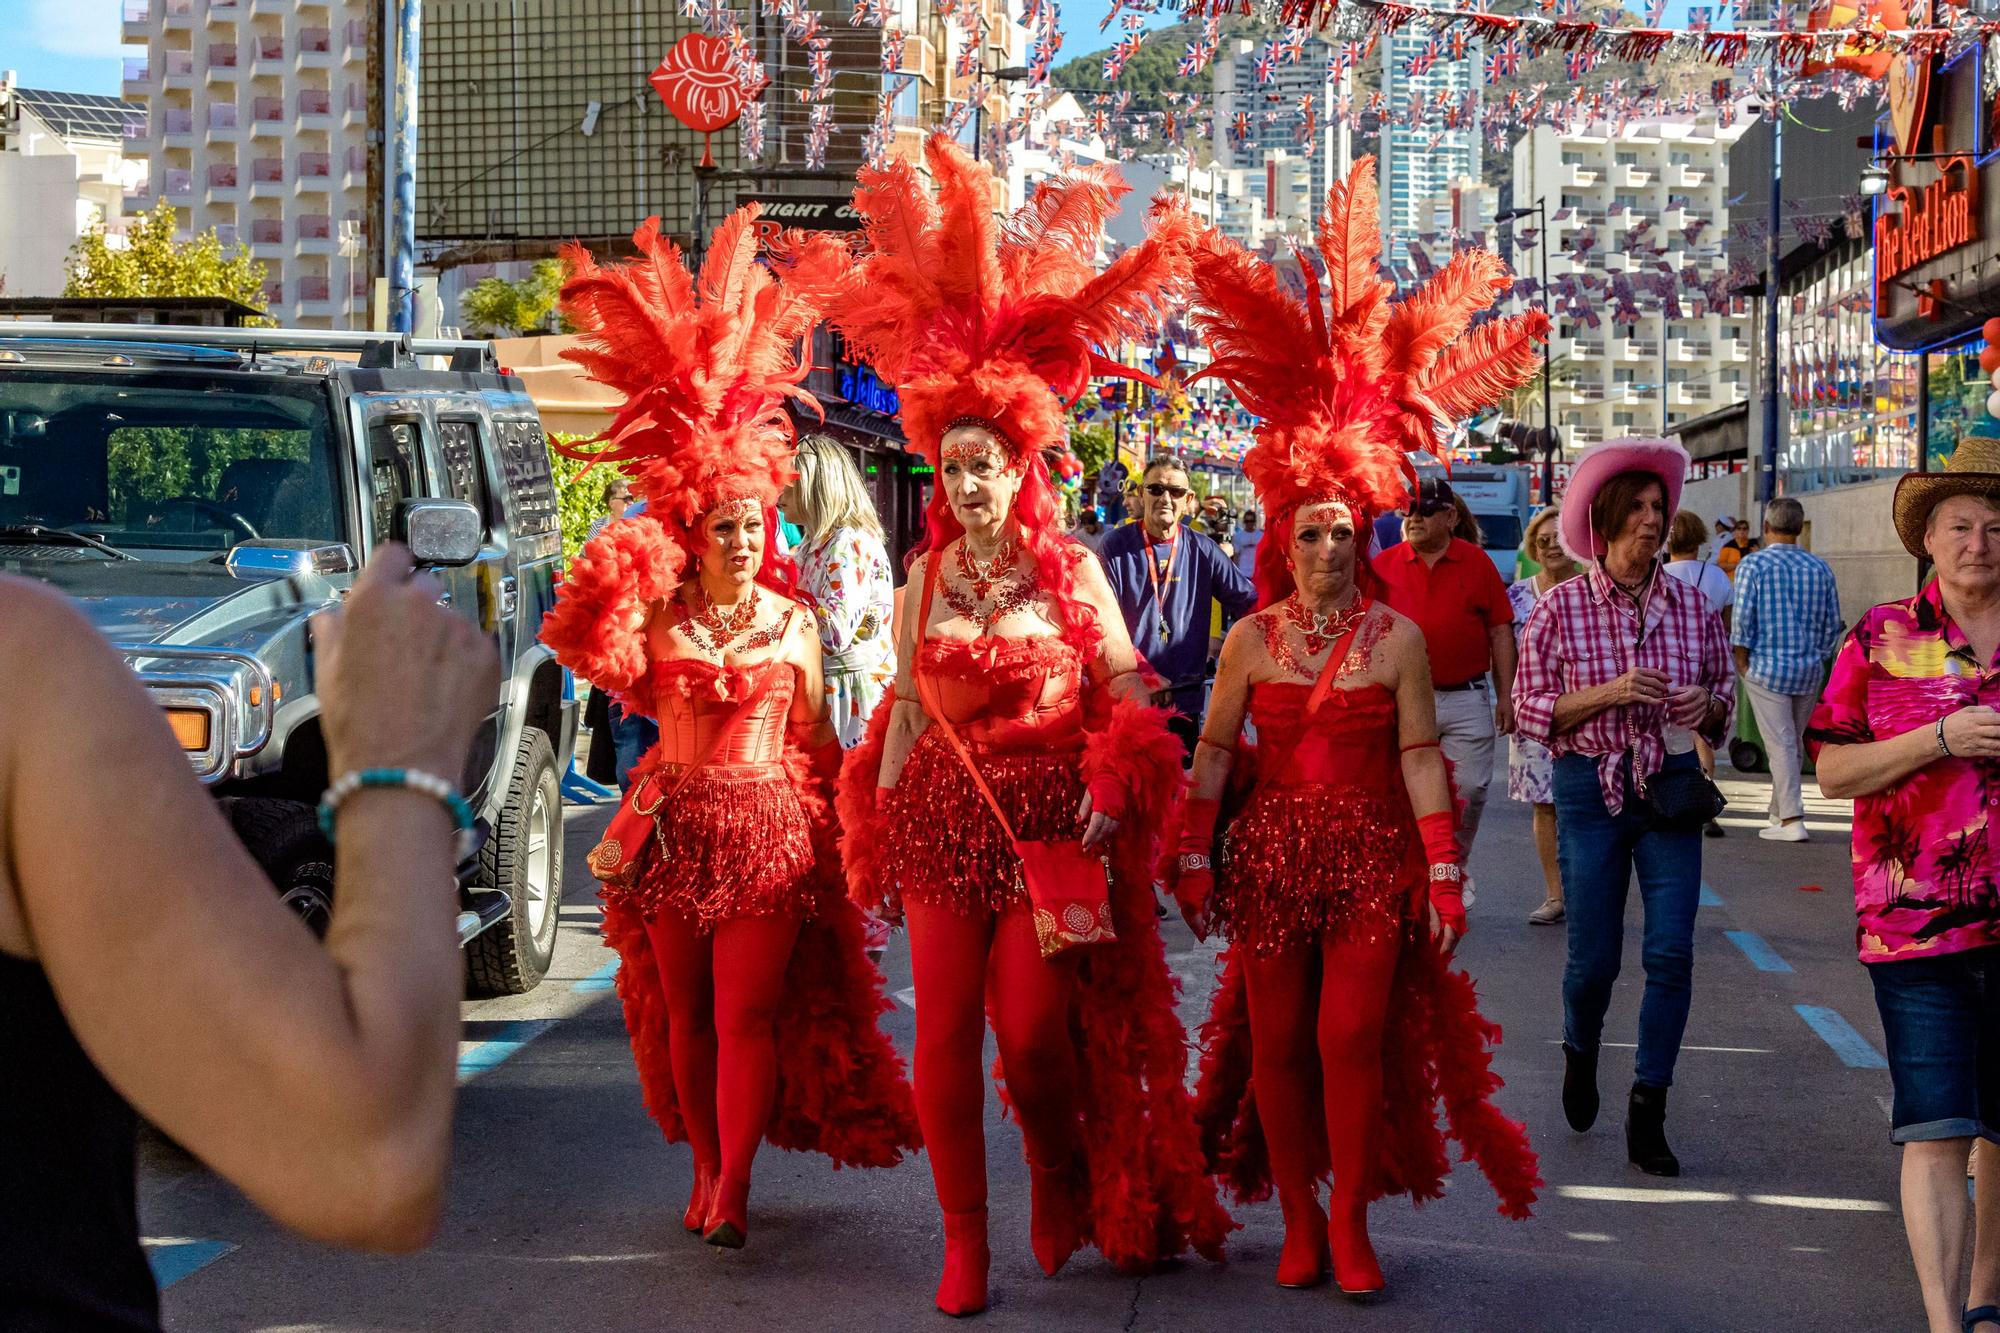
(140, 187)
(267, 177)
(1582, 176)
(180, 183)
(1639, 347)
(226, 237)
(357, 34)
(1586, 349)
(1587, 392)
(267, 231)
(222, 56)
(176, 122)
(222, 176)
(1733, 349)
(357, 159)
(1634, 175)
(222, 116)
(1693, 349)
(137, 16)
(311, 288)
(138, 70)
(269, 56)
(1696, 392)
(1688, 176)
(268, 109)
(179, 66)
(180, 9)
(274, 290)
(315, 234)
(356, 99)
(315, 109)
(315, 48)
(315, 170)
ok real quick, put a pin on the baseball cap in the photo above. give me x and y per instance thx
(1433, 496)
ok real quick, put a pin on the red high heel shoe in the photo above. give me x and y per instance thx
(701, 1199)
(1356, 1271)
(962, 1288)
(1302, 1263)
(728, 1222)
(1056, 1229)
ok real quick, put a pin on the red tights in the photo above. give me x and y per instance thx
(723, 988)
(1328, 1005)
(954, 958)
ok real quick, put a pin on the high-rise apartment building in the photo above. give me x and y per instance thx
(1257, 120)
(1637, 210)
(1420, 162)
(62, 172)
(256, 120)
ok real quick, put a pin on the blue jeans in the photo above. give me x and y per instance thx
(634, 735)
(1941, 1017)
(1598, 852)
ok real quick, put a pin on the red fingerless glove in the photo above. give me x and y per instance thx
(1107, 796)
(825, 760)
(1446, 876)
(1196, 879)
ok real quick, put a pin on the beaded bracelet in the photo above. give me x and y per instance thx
(412, 779)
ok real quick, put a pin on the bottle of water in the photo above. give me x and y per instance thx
(1677, 738)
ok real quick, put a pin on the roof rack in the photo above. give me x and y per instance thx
(379, 350)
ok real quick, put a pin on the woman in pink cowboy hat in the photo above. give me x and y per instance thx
(1619, 670)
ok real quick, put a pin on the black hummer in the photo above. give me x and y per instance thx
(202, 492)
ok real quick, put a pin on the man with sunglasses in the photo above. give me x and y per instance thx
(1167, 579)
(1451, 589)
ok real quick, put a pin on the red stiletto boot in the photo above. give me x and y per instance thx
(728, 1222)
(1302, 1263)
(1356, 1271)
(701, 1199)
(1056, 1229)
(962, 1289)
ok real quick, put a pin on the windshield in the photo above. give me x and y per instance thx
(168, 463)
(1499, 532)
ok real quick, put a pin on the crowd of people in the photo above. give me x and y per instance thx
(1016, 749)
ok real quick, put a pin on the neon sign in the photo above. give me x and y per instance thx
(859, 386)
(1933, 219)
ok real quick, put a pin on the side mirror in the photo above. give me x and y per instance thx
(446, 533)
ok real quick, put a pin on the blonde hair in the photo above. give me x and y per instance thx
(1535, 525)
(831, 492)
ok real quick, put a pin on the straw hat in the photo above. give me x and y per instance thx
(1600, 463)
(1972, 469)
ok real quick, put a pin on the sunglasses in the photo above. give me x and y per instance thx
(1156, 489)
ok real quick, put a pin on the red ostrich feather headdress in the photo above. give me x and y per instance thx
(1348, 384)
(706, 365)
(972, 317)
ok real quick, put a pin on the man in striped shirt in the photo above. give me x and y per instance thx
(1785, 625)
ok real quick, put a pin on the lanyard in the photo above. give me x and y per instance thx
(1153, 574)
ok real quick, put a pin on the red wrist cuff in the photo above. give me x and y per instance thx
(1440, 838)
(1107, 796)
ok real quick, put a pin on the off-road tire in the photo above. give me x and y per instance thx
(508, 958)
(1747, 756)
(284, 838)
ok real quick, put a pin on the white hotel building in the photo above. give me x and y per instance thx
(257, 112)
(1673, 175)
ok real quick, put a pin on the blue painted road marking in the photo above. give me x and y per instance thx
(173, 1260)
(492, 1052)
(1709, 897)
(1761, 955)
(1853, 1049)
(601, 979)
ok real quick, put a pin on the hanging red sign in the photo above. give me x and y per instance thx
(1932, 219)
(699, 83)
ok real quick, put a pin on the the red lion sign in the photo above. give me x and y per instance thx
(699, 83)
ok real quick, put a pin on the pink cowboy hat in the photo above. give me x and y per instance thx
(1600, 463)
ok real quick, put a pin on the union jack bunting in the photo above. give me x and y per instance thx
(1505, 62)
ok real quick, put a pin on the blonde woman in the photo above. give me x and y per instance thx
(1529, 776)
(844, 570)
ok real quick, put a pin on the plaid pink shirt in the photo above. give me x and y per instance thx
(1582, 633)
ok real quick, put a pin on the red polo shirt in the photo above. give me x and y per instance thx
(1454, 602)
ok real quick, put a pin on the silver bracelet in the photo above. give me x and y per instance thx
(1194, 861)
(1447, 872)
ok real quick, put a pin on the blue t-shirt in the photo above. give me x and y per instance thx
(1200, 575)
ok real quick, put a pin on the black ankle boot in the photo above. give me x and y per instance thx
(1646, 1132)
(1579, 1087)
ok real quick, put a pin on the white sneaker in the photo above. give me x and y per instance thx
(1785, 833)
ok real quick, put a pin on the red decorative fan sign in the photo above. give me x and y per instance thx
(699, 83)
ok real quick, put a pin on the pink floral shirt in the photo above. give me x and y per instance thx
(1924, 872)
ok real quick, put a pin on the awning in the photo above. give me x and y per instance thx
(1714, 436)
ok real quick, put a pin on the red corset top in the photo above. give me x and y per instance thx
(1350, 742)
(1006, 694)
(695, 698)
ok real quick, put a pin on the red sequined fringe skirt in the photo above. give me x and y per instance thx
(1305, 862)
(732, 843)
(943, 845)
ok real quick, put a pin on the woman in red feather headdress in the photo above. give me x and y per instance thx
(752, 1010)
(1335, 872)
(1019, 713)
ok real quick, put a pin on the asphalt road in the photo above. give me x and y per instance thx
(565, 1203)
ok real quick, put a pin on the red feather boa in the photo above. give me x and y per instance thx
(1149, 1191)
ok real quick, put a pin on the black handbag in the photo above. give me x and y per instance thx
(1680, 800)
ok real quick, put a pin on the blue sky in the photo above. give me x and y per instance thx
(72, 45)
(67, 45)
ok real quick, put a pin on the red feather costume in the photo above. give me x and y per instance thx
(751, 1007)
(1319, 848)
(978, 320)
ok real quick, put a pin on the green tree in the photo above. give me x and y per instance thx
(152, 262)
(579, 494)
(496, 307)
(1090, 441)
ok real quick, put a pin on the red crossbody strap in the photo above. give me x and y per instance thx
(927, 691)
(1324, 684)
